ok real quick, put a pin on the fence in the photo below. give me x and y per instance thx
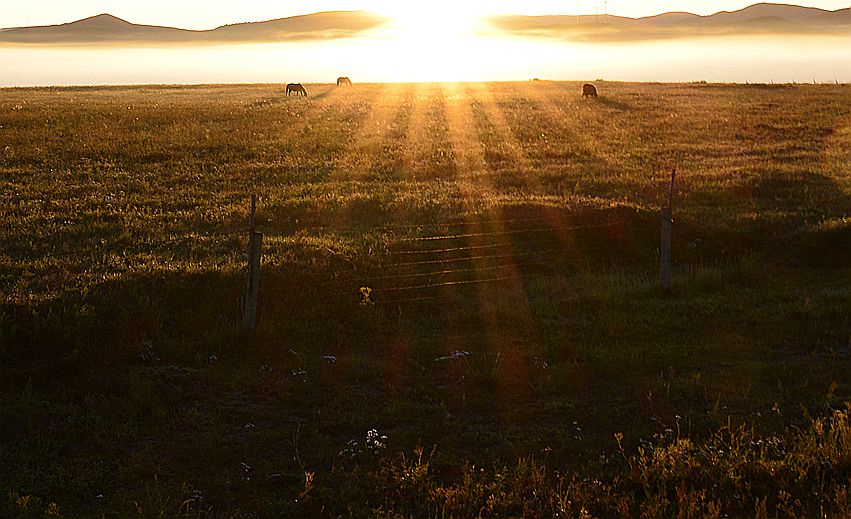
(414, 269)
(426, 264)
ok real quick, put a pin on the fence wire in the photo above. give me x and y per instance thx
(469, 248)
(482, 255)
(506, 233)
(412, 227)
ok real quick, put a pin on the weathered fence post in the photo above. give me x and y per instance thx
(252, 289)
(667, 227)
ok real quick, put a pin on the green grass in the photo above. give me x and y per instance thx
(128, 389)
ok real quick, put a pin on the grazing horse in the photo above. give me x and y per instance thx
(344, 81)
(589, 90)
(297, 88)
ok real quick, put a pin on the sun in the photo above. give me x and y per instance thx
(437, 18)
(431, 41)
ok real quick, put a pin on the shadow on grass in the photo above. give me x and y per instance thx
(822, 200)
(612, 103)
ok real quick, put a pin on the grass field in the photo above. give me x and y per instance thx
(519, 358)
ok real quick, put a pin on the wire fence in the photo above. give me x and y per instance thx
(411, 265)
(491, 234)
(482, 258)
(395, 274)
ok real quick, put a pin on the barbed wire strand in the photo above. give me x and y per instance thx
(435, 274)
(475, 258)
(433, 225)
(469, 248)
(366, 279)
(504, 233)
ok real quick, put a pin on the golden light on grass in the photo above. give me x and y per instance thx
(121, 257)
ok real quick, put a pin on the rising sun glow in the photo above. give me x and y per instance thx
(437, 19)
(433, 41)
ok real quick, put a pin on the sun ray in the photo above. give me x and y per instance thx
(367, 142)
(474, 179)
(566, 117)
(421, 158)
(525, 171)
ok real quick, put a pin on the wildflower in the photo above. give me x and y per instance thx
(246, 471)
(374, 442)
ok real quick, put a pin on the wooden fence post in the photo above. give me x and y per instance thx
(667, 228)
(252, 289)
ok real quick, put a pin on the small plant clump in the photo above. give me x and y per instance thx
(735, 473)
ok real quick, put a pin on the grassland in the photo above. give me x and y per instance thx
(128, 389)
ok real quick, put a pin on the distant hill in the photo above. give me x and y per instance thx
(761, 18)
(99, 28)
(792, 13)
(105, 28)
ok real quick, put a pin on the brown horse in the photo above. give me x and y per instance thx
(344, 81)
(589, 90)
(297, 88)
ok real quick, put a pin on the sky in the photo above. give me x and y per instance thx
(208, 14)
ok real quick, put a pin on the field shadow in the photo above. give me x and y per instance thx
(814, 198)
(612, 103)
(90, 334)
(799, 190)
(324, 94)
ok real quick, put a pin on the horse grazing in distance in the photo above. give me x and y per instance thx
(344, 81)
(297, 88)
(589, 90)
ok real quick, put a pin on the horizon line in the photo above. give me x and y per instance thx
(578, 15)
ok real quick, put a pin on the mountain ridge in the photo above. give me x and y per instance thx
(754, 19)
(107, 28)
(757, 19)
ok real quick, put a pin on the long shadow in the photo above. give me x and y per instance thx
(617, 105)
(810, 196)
(322, 95)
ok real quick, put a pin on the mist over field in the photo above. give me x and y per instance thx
(763, 43)
(824, 60)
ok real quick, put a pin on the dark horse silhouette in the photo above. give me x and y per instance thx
(589, 90)
(344, 81)
(297, 88)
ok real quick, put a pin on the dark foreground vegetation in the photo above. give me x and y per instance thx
(523, 364)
